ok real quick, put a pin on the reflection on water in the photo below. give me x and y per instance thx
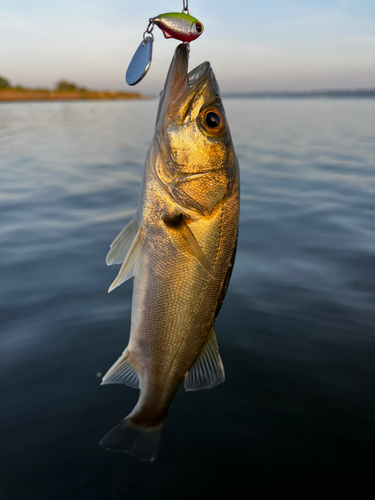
(296, 332)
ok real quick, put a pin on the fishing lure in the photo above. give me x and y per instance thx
(181, 26)
(177, 25)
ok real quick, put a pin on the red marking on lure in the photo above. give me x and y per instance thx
(179, 25)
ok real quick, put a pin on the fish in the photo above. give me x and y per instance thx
(179, 25)
(180, 247)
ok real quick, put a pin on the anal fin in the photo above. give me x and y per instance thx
(207, 370)
(122, 372)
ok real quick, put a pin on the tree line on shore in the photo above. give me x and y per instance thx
(61, 85)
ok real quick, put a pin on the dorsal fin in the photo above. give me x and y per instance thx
(122, 372)
(191, 242)
(127, 268)
(207, 370)
(121, 244)
(226, 279)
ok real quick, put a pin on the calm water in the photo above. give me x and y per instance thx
(296, 333)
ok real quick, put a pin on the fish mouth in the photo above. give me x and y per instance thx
(199, 74)
(181, 87)
(178, 79)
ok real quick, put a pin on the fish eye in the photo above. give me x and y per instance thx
(198, 27)
(212, 121)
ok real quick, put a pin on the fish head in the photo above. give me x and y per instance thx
(194, 157)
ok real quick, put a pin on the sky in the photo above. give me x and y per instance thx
(261, 45)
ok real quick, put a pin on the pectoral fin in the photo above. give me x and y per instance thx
(191, 242)
(207, 370)
(127, 268)
(121, 244)
(122, 372)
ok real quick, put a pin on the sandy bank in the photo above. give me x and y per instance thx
(7, 95)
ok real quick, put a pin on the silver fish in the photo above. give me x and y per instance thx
(180, 247)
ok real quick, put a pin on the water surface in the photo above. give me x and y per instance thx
(296, 332)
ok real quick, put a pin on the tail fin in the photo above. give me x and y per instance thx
(141, 442)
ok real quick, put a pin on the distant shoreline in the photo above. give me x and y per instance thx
(314, 94)
(12, 94)
(21, 95)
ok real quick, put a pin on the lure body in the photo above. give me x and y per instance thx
(179, 25)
